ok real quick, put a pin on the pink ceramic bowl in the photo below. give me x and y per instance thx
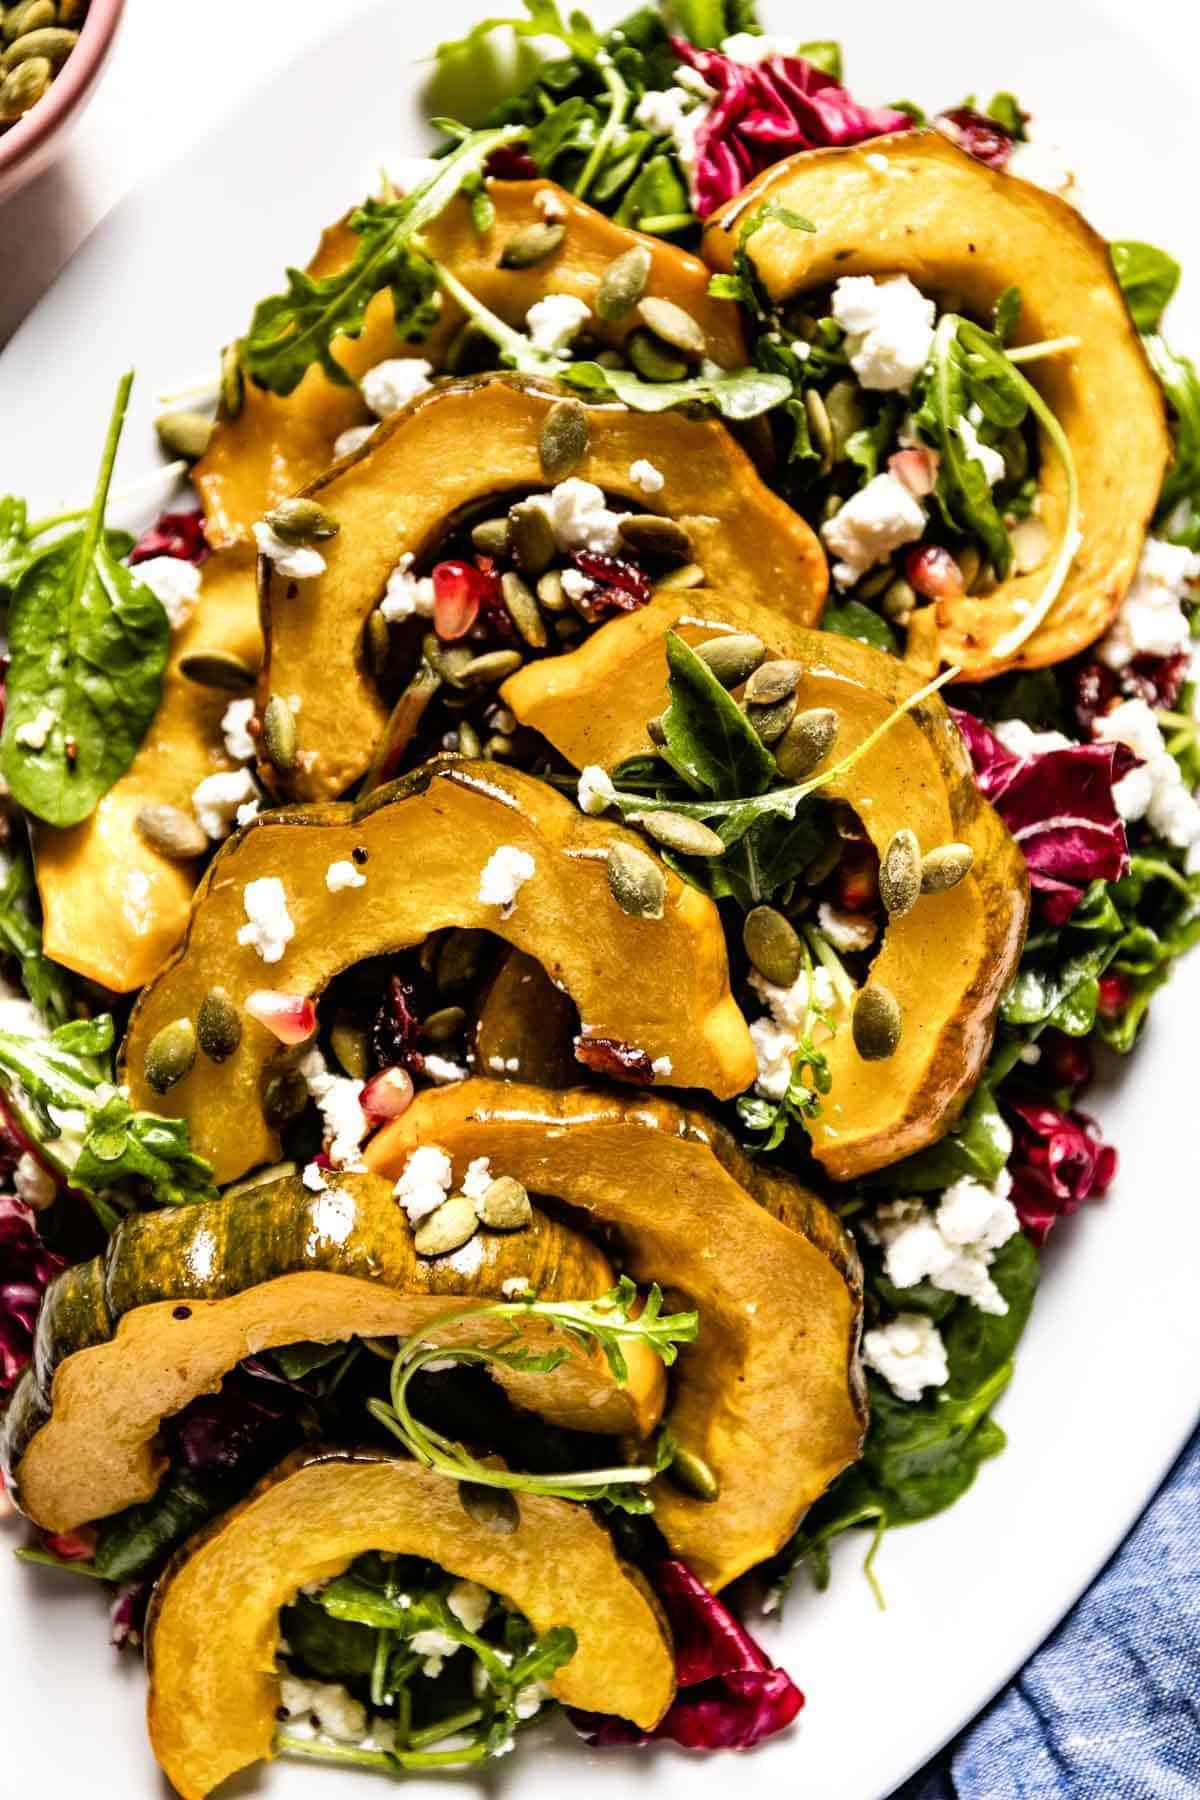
(32, 145)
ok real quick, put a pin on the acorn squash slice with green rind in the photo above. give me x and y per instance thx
(770, 1396)
(277, 444)
(949, 960)
(454, 449)
(660, 984)
(212, 1636)
(181, 1297)
(914, 204)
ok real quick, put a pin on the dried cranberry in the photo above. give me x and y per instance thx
(611, 1056)
(1096, 687)
(934, 573)
(511, 162)
(493, 614)
(981, 137)
(457, 597)
(394, 1029)
(617, 585)
(179, 534)
(1158, 679)
(1115, 992)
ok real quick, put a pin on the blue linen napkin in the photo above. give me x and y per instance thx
(1109, 1708)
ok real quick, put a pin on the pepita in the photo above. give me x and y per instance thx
(170, 1055)
(563, 441)
(453, 1224)
(491, 667)
(900, 873)
(649, 534)
(531, 245)
(623, 284)
(29, 16)
(523, 610)
(775, 680)
(806, 742)
(302, 521)
(379, 642)
(673, 326)
(490, 537)
(636, 882)
(847, 414)
(279, 734)
(770, 722)
(773, 946)
(444, 1024)
(551, 596)
(876, 1023)
(493, 1508)
(531, 541)
(233, 381)
(285, 1098)
(445, 660)
(898, 601)
(654, 361)
(677, 581)
(49, 44)
(220, 669)
(350, 1047)
(23, 88)
(734, 658)
(499, 747)
(693, 1475)
(218, 1025)
(460, 959)
(172, 832)
(186, 434)
(675, 831)
(943, 868)
(872, 585)
(469, 741)
(820, 427)
(505, 1206)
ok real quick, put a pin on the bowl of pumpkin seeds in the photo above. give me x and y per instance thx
(51, 52)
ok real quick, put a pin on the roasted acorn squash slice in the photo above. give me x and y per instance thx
(213, 1631)
(117, 1352)
(660, 984)
(918, 205)
(451, 451)
(949, 960)
(770, 1396)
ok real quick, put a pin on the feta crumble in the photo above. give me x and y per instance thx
(470, 1604)
(478, 1179)
(580, 517)
(33, 1184)
(313, 1178)
(342, 875)
(989, 460)
(889, 329)
(504, 875)
(425, 1180)
(952, 1247)
(662, 1067)
(392, 384)
(337, 1713)
(575, 584)
(552, 206)
(752, 47)
(646, 477)
(34, 733)
(680, 115)
(1151, 621)
(295, 562)
(1023, 740)
(337, 1097)
(777, 1038)
(216, 801)
(350, 440)
(235, 729)
(555, 322)
(1156, 791)
(596, 791)
(407, 595)
(270, 928)
(870, 526)
(909, 1354)
(846, 931)
(173, 582)
(442, 1072)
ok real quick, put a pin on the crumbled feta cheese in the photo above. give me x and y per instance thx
(514, 1287)
(425, 1180)
(953, 1247)
(580, 517)
(752, 47)
(504, 875)
(338, 1097)
(469, 1603)
(337, 1713)
(173, 582)
(678, 114)
(801, 350)
(313, 1178)
(662, 1066)
(271, 928)
(33, 1184)
(442, 1072)
(1151, 621)
(889, 329)
(576, 585)
(352, 439)
(908, 1353)
(596, 790)
(1023, 740)
(435, 1646)
(555, 322)
(645, 476)
(342, 875)
(250, 811)
(1156, 791)
(478, 1178)
(33, 734)
(295, 562)
(216, 800)
(392, 384)
(405, 595)
(989, 460)
(405, 174)
(235, 721)
(19, 1015)
(873, 523)
(530, 1699)
(552, 206)
(777, 1038)
(846, 931)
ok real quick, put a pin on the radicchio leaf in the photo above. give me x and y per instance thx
(26, 1269)
(1059, 807)
(765, 112)
(979, 136)
(178, 534)
(127, 1615)
(730, 1696)
(1059, 1161)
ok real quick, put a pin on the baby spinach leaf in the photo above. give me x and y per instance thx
(1006, 313)
(978, 1146)
(134, 1541)
(21, 937)
(707, 733)
(854, 620)
(89, 644)
(979, 1344)
(1148, 279)
(1181, 386)
(824, 54)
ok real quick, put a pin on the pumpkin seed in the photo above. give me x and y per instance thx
(453, 1224)
(523, 610)
(460, 959)
(48, 44)
(846, 414)
(656, 731)
(775, 680)
(773, 946)
(673, 326)
(898, 601)
(349, 1045)
(218, 669)
(171, 832)
(871, 586)
(770, 722)
(806, 741)
(469, 740)
(531, 245)
(505, 1206)
(490, 537)
(233, 381)
(732, 659)
(943, 868)
(302, 522)
(279, 734)
(491, 667)
(446, 660)
(444, 1024)
(186, 434)
(28, 17)
(652, 360)
(623, 284)
(675, 831)
(493, 1508)
(550, 592)
(568, 629)
(531, 541)
(285, 1098)
(876, 1023)
(820, 427)
(170, 1055)
(499, 747)
(23, 89)
(691, 1473)
(649, 534)
(564, 437)
(900, 873)
(677, 581)
(379, 642)
(218, 1025)
(636, 882)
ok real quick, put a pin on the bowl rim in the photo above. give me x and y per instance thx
(68, 88)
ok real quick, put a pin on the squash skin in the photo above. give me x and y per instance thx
(949, 960)
(114, 908)
(771, 1394)
(396, 495)
(967, 232)
(274, 1266)
(213, 1630)
(445, 821)
(278, 444)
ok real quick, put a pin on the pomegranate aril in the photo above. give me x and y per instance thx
(387, 1094)
(292, 1018)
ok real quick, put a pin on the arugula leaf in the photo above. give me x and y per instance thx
(854, 620)
(738, 394)
(1006, 313)
(1148, 278)
(707, 23)
(709, 737)
(88, 643)
(743, 285)
(1181, 387)
(824, 54)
